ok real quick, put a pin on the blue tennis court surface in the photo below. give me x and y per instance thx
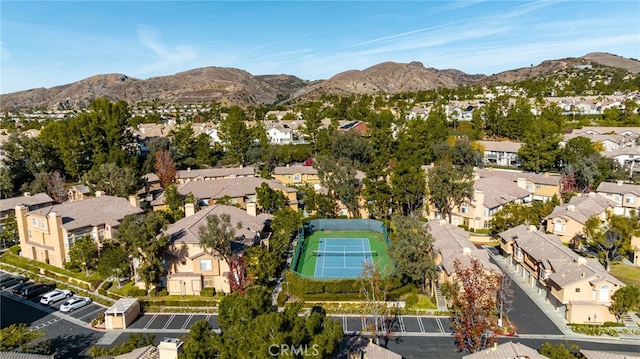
(342, 257)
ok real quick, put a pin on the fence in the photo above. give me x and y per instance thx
(337, 224)
(334, 224)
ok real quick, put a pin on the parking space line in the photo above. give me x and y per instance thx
(401, 322)
(344, 324)
(45, 324)
(383, 326)
(440, 326)
(168, 321)
(420, 324)
(89, 314)
(364, 323)
(184, 326)
(151, 321)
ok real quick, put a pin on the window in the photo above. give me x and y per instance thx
(205, 264)
(43, 224)
(34, 223)
(529, 187)
(577, 290)
(538, 186)
(297, 177)
(558, 226)
(628, 199)
(618, 197)
(208, 281)
(464, 209)
(486, 212)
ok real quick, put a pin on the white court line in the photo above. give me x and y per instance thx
(343, 267)
(323, 259)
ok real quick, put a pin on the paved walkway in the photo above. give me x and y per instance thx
(532, 292)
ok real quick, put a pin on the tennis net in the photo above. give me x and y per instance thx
(345, 253)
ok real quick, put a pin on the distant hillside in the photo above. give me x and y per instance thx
(237, 87)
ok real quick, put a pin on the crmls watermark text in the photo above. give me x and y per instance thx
(292, 350)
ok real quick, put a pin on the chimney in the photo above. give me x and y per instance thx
(620, 182)
(27, 194)
(169, 348)
(532, 228)
(99, 193)
(581, 261)
(251, 209)
(189, 209)
(188, 169)
(466, 251)
(134, 200)
(571, 208)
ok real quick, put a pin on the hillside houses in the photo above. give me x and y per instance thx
(501, 153)
(625, 196)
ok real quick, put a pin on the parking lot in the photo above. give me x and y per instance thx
(85, 314)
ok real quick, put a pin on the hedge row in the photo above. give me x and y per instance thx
(302, 287)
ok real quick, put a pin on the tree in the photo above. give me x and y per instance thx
(624, 300)
(9, 234)
(374, 291)
(144, 239)
(113, 180)
(21, 337)
(408, 186)
(165, 168)
(83, 253)
(611, 239)
(576, 148)
(57, 187)
(505, 297)
(235, 135)
(216, 236)
(201, 342)
(174, 202)
(6, 183)
(473, 298)
(449, 186)
(340, 180)
(515, 214)
(114, 263)
(412, 251)
(560, 351)
(183, 145)
(270, 199)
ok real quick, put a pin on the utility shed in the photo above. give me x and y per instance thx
(122, 313)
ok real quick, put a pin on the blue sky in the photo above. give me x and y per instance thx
(49, 43)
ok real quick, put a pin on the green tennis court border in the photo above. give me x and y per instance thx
(306, 264)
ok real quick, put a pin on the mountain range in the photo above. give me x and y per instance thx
(231, 86)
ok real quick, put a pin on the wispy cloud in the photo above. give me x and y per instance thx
(166, 58)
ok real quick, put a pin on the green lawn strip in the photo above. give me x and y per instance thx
(628, 274)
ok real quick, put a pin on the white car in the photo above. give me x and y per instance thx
(55, 295)
(74, 303)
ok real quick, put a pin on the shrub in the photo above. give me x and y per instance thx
(15, 250)
(107, 285)
(159, 292)
(411, 300)
(208, 292)
(282, 299)
(613, 324)
(136, 292)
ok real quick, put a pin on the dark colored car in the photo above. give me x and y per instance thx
(37, 289)
(7, 281)
(20, 287)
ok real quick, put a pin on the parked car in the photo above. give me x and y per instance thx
(7, 280)
(55, 295)
(22, 286)
(74, 303)
(37, 289)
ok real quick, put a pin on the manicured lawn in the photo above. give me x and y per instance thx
(628, 274)
(424, 302)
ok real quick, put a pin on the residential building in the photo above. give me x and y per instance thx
(47, 233)
(190, 267)
(358, 126)
(628, 157)
(235, 191)
(501, 153)
(451, 243)
(207, 174)
(579, 288)
(30, 201)
(567, 221)
(626, 196)
(296, 174)
(609, 142)
(489, 196)
(78, 193)
(542, 186)
(279, 133)
(508, 350)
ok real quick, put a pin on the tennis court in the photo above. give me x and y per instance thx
(342, 257)
(341, 254)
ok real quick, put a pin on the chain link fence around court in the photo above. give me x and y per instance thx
(336, 224)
